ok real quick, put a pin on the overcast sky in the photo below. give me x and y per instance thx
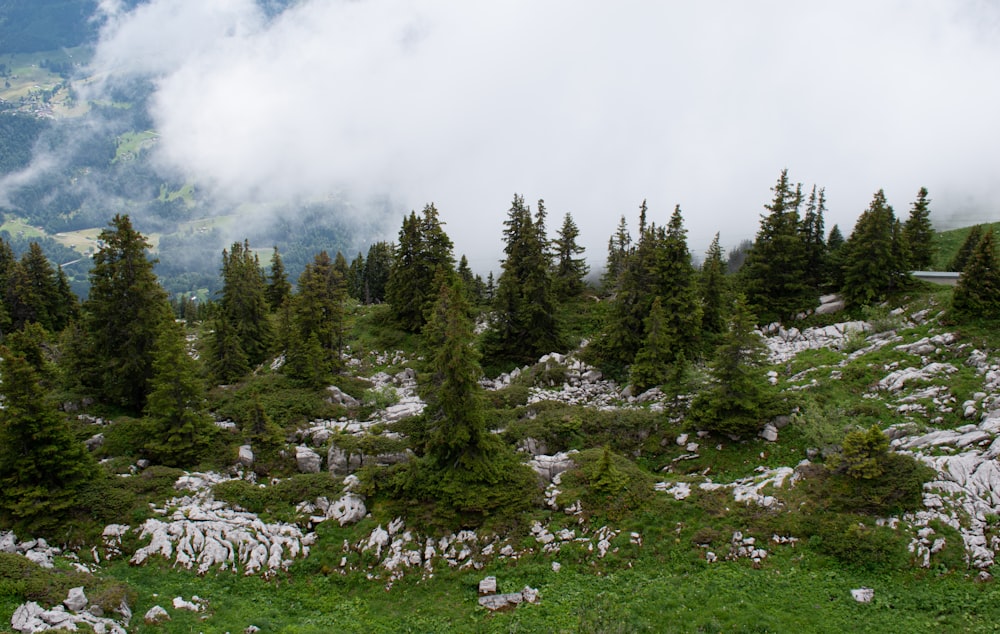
(592, 106)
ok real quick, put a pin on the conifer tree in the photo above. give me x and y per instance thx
(713, 287)
(122, 316)
(262, 434)
(977, 294)
(278, 286)
(777, 285)
(356, 278)
(34, 291)
(423, 249)
(180, 427)
(739, 399)
(570, 269)
(227, 362)
(524, 325)
(319, 307)
(834, 278)
(653, 362)
(619, 247)
(377, 267)
(874, 256)
(42, 466)
(919, 233)
(467, 278)
(812, 232)
(965, 251)
(676, 285)
(244, 302)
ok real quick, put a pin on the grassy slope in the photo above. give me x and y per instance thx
(947, 244)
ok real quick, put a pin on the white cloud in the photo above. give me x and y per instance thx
(591, 105)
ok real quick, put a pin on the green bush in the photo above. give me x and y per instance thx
(897, 490)
(27, 581)
(607, 484)
(855, 543)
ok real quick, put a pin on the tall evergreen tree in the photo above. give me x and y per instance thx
(654, 361)
(777, 284)
(377, 267)
(524, 325)
(570, 269)
(180, 427)
(42, 466)
(676, 285)
(874, 256)
(278, 286)
(122, 316)
(244, 302)
(965, 251)
(320, 314)
(226, 360)
(424, 248)
(356, 278)
(977, 294)
(919, 233)
(739, 399)
(619, 247)
(813, 237)
(713, 287)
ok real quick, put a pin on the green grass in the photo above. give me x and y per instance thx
(130, 144)
(947, 243)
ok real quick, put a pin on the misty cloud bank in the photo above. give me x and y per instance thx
(592, 106)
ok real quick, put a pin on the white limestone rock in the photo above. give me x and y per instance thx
(307, 460)
(156, 615)
(76, 600)
(863, 595)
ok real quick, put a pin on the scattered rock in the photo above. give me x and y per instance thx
(156, 615)
(308, 460)
(76, 600)
(245, 456)
(863, 595)
(488, 586)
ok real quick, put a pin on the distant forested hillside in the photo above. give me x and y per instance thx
(44, 25)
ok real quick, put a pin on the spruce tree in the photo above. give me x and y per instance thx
(42, 466)
(713, 287)
(244, 302)
(653, 362)
(570, 269)
(227, 363)
(619, 248)
(180, 428)
(965, 251)
(812, 232)
(122, 316)
(919, 233)
(356, 278)
(278, 286)
(874, 256)
(977, 295)
(424, 248)
(676, 285)
(834, 278)
(34, 292)
(775, 275)
(263, 435)
(378, 263)
(524, 324)
(319, 307)
(739, 399)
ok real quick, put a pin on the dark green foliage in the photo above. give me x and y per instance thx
(262, 434)
(874, 260)
(919, 234)
(775, 271)
(317, 336)
(122, 316)
(654, 360)
(356, 278)
(856, 543)
(284, 402)
(676, 286)
(244, 301)
(965, 251)
(279, 498)
(523, 325)
(898, 489)
(226, 360)
(279, 288)
(835, 254)
(812, 232)
(25, 580)
(570, 268)
(180, 428)
(714, 290)
(977, 294)
(424, 249)
(377, 267)
(18, 133)
(739, 399)
(42, 466)
(619, 247)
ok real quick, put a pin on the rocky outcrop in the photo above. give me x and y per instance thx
(71, 615)
(307, 460)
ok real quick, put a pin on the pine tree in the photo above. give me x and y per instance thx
(227, 362)
(122, 315)
(377, 267)
(965, 251)
(676, 285)
(180, 428)
(713, 287)
(570, 269)
(42, 466)
(777, 284)
(977, 294)
(278, 286)
(919, 233)
(739, 399)
(874, 256)
(524, 325)
(653, 362)
(423, 249)
(244, 302)
(619, 247)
